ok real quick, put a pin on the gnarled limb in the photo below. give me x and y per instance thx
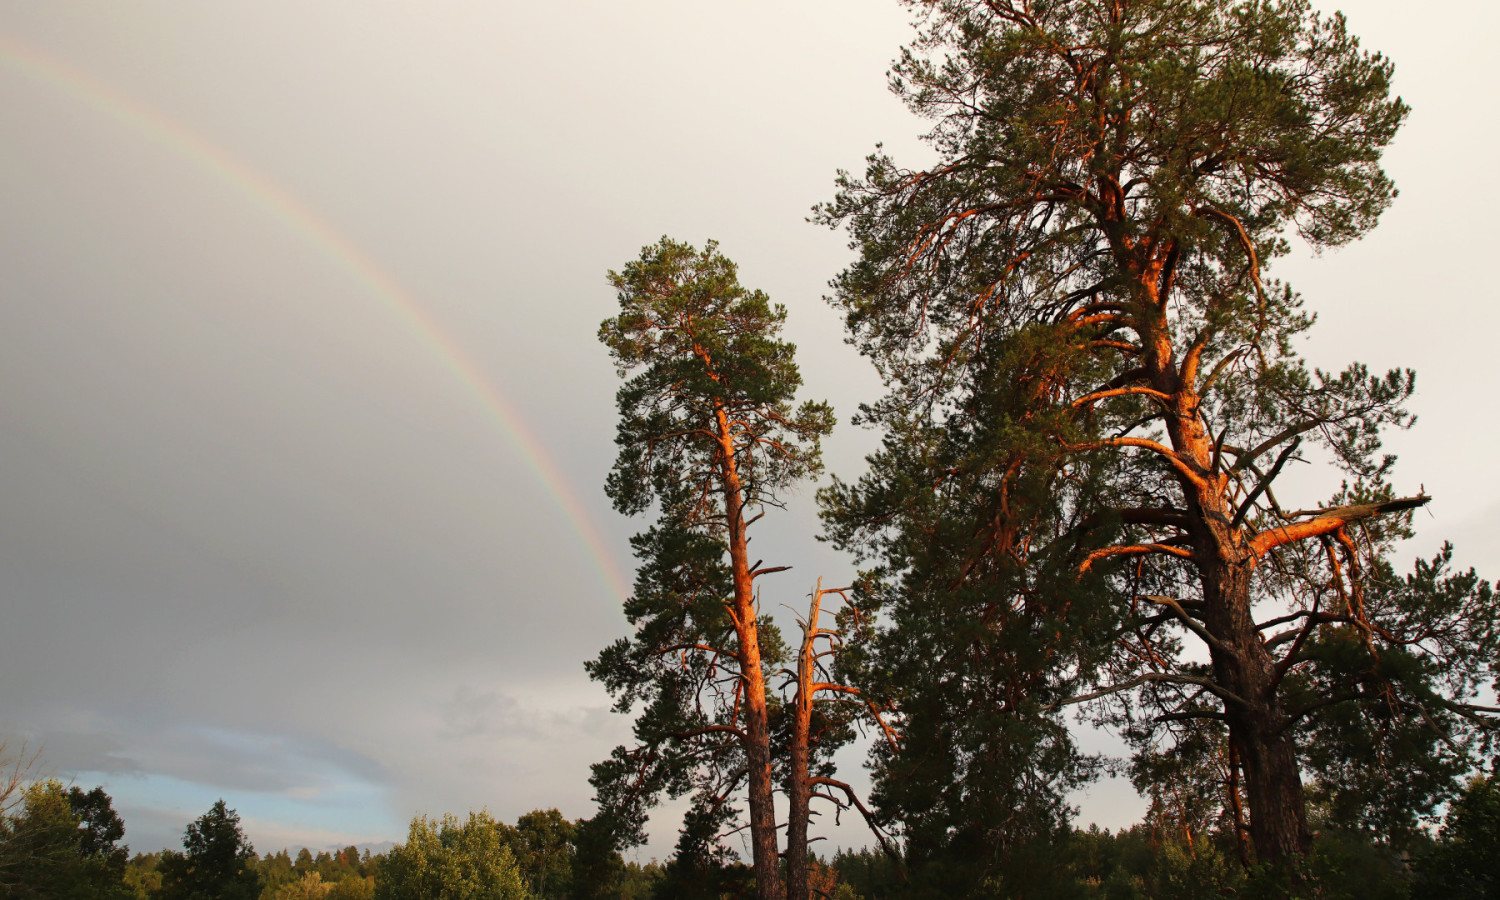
(870, 820)
(1264, 484)
(1328, 521)
(1192, 624)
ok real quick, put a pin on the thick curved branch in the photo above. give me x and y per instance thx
(1133, 550)
(1140, 515)
(1167, 453)
(1330, 520)
(1140, 390)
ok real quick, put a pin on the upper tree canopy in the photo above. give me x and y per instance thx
(1085, 144)
(695, 347)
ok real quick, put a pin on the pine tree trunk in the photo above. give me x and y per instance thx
(1273, 784)
(799, 788)
(758, 758)
(757, 720)
(1241, 663)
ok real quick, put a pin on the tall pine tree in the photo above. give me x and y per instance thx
(1093, 392)
(709, 438)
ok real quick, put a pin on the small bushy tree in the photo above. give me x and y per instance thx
(543, 844)
(1465, 863)
(451, 859)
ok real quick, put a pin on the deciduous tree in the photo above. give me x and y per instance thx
(449, 859)
(39, 846)
(543, 846)
(100, 828)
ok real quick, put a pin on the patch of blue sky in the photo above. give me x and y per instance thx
(158, 808)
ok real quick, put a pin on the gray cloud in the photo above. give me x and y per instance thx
(64, 751)
(258, 537)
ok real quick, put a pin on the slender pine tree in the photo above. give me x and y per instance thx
(709, 438)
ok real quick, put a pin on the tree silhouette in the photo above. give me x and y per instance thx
(216, 862)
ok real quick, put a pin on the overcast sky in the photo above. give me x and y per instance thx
(303, 420)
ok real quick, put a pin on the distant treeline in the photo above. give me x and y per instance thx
(62, 842)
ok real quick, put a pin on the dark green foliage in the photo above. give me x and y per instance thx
(275, 870)
(543, 848)
(62, 843)
(1385, 759)
(1093, 386)
(99, 848)
(639, 881)
(1465, 862)
(217, 862)
(1145, 862)
(701, 868)
(1356, 865)
(678, 602)
(598, 870)
(973, 654)
(101, 826)
(869, 874)
(1188, 784)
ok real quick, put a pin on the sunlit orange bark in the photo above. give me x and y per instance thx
(757, 725)
(801, 784)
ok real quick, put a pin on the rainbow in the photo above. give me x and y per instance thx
(299, 218)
